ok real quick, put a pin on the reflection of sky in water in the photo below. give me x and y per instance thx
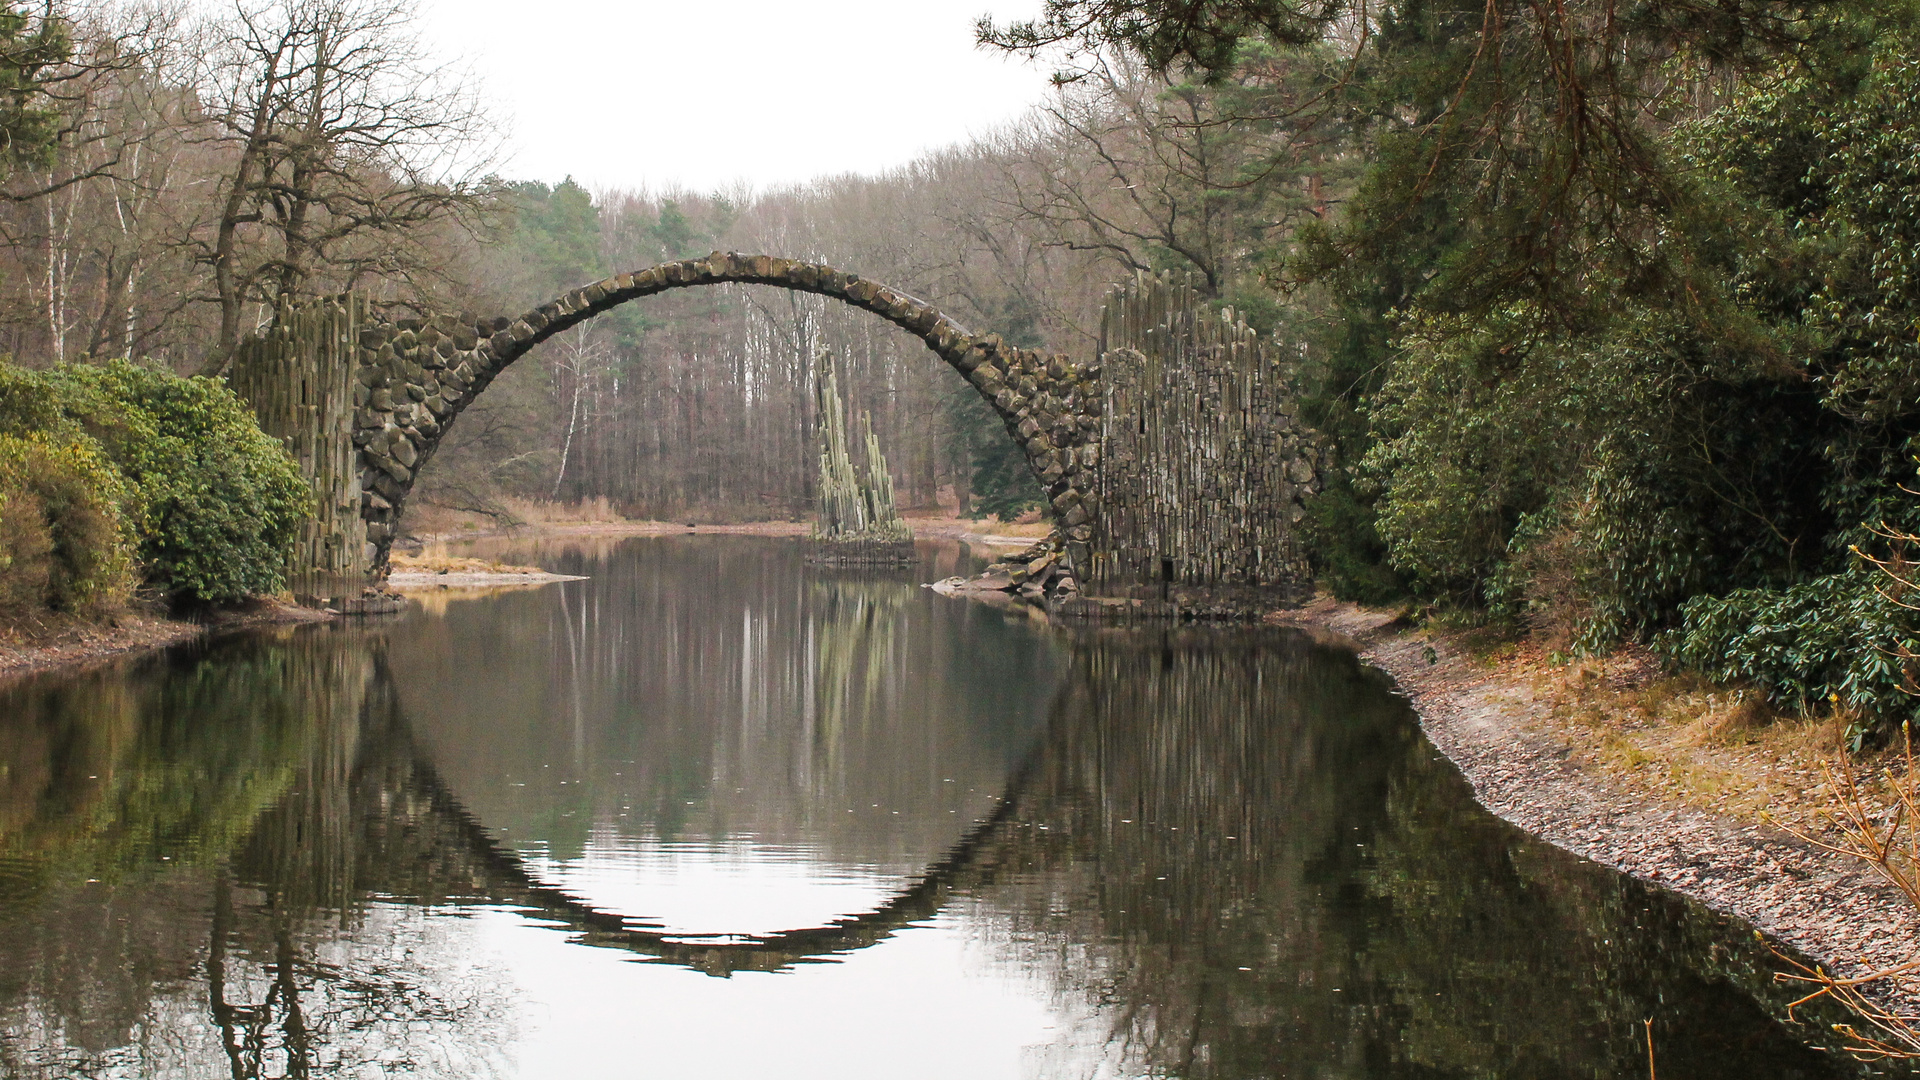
(714, 887)
(918, 1005)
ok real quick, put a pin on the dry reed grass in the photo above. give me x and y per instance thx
(1719, 748)
(433, 558)
(1875, 823)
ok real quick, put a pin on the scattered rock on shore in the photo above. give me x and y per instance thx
(1037, 574)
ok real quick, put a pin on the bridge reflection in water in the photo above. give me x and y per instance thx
(1219, 855)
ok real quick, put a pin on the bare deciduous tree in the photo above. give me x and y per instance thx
(343, 144)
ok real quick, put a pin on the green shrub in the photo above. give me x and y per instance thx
(64, 543)
(220, 501)
(1835, 638)
(1348, 553)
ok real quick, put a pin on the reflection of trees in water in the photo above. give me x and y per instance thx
(113, 772)
(1245, 862)
(165, 918)
(295, 993)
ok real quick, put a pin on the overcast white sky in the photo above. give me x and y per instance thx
(658, 93)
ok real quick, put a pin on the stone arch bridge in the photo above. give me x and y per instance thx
(1171, 457)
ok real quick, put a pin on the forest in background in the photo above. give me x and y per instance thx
(1611, 312)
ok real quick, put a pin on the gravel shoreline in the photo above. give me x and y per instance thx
(1524, 769)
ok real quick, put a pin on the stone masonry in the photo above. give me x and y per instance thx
(1185, 461)
(1205, 466)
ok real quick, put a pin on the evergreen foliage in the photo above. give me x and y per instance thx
(220, 500)
(64, 542)
(133, 466)
(30, 45)
(1617, 323)
(1002, 485)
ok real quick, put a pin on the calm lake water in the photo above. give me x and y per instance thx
(712, 813)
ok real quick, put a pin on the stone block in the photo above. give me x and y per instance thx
(390, 466)
(1080, 557)
(972, 358)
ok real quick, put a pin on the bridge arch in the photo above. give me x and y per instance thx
(415, 377)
